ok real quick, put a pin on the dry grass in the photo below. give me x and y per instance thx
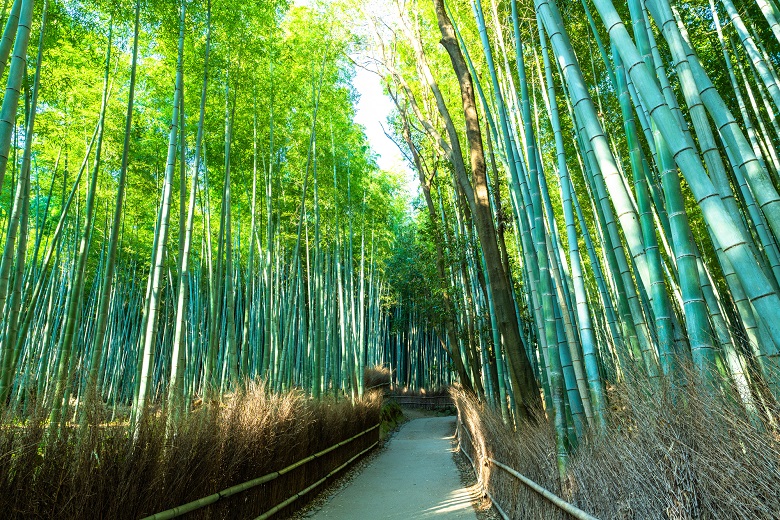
(688, 454)
(442, 391)
(376, 376)
(100, 473)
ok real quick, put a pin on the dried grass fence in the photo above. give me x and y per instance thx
(244, 486)
(688, 455)
(100, 473)
(510, 485)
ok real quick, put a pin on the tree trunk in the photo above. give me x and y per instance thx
(524, 384)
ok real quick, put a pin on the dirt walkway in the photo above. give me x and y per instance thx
(415, 477)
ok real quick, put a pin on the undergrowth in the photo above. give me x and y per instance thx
(100, 472)
(376, 376)
(392, 416)
(686, 454)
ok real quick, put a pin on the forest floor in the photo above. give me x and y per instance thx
(413, 476)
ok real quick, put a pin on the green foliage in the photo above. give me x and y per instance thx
(391, 416)
(276, 69)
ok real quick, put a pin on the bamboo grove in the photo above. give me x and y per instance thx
(187, 205)
(600, 185)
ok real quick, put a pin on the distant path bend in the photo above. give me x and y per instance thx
(415, 477)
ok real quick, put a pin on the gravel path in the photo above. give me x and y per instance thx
(414, 477)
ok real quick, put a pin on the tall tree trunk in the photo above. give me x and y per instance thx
(158, 263)
(113, 241)
(176, 386)
(524, 384)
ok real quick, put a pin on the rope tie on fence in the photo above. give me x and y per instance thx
(544, 493)
(298, 495)
(458, 430)
(205, 501)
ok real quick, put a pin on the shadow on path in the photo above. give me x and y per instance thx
(415, 477)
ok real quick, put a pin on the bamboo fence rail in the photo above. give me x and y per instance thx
(211, 499)
(544, 493)
(416, 401)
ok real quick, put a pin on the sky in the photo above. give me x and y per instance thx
(372, 109)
